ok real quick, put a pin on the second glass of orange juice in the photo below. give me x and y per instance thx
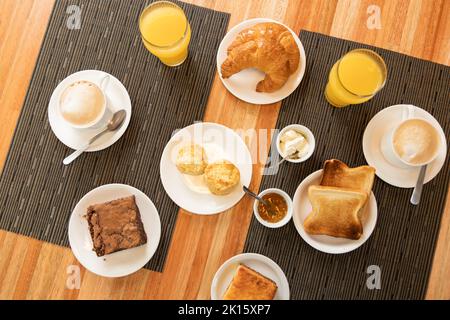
(166, 32)
(355, 78)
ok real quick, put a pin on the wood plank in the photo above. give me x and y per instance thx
(19, 49)
(32, 269)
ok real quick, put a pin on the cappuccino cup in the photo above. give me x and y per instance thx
(83, 104)
(414, 142)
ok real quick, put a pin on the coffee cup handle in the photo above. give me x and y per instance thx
(104, 82)
(408, 112)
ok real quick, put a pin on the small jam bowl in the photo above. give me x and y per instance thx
(286, 218)
(308, 135)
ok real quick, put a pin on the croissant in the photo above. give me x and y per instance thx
(269, 47)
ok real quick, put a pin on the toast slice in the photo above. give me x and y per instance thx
(335, 212)
(338, 174)
(247, 284)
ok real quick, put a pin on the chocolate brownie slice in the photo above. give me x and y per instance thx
(115, 225)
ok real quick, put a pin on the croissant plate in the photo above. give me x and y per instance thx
(269, 47)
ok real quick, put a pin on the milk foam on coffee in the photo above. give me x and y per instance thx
(82, 103)
(416, 141)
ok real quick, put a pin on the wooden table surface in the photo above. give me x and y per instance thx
(31, 269)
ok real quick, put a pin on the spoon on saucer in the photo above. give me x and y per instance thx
(415, 198)
(113, 124)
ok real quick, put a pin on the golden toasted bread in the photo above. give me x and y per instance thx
(335, 212)
(247, 284)
(338, 174)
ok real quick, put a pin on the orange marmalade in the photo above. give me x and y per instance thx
(278, 208)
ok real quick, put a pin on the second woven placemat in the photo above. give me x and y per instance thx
(404, 239)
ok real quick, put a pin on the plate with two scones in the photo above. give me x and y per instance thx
(203, 168)
(335, 210)
(261, 61)
(250, 276)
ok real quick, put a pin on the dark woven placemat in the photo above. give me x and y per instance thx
(37, 193)
(404, 238)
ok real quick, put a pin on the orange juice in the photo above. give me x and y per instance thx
(355, 78)
(165, 32)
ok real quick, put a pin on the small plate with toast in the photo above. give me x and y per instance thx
(261, 61)
(335, 210)
(250, 276)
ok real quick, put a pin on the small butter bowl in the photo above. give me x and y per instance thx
(309, 138)
(285, 219)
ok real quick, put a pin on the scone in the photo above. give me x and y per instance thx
(191, 160)
(221, 177)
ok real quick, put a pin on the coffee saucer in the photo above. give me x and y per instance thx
(380, 124)
(118, 98)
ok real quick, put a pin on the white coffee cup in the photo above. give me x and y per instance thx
(414, 142)
(83, 104)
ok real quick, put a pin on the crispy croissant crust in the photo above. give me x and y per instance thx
(269, 47)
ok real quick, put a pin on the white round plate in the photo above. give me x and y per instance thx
(120, 263)
(118, 98)
(233, 149)
(265, 266)
(243, 84)
(328, 244)
(383, 122)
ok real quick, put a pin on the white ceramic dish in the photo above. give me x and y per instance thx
(309, 137)
(402, 177)
(243, 84)
(327, 244)
(232, 148)
(257, 262)
(120, 263)
(117, 98)
(100, 85)
(286, 218)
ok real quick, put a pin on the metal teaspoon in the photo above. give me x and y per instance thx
(113, 124)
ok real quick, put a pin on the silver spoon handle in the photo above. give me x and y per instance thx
(98, 135)
(415, 198)
(282, 160)
(251, 194)
(68, 160)
(288, 156)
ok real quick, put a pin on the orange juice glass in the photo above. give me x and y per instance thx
(165, 32)
(355, 78)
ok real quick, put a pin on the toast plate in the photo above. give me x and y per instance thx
(243, 84)
(261, 264)
(328, 244)
(226, 142)
(120, 263)
(381, 123)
